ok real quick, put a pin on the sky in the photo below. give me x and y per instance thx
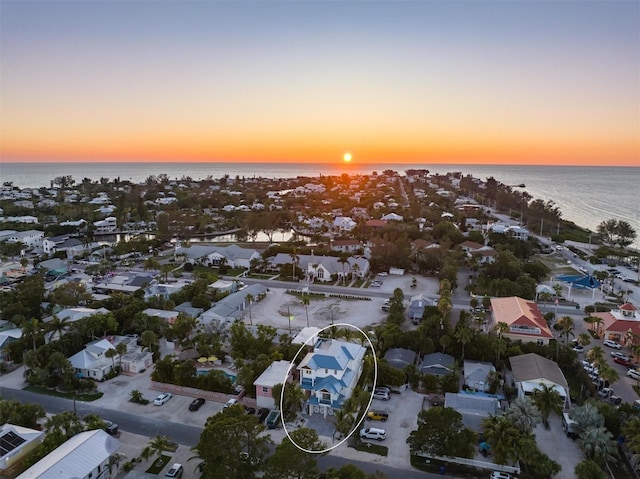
(487, 82)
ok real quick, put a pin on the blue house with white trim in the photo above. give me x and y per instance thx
(330, 373)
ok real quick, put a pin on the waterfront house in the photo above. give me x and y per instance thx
(329, 373)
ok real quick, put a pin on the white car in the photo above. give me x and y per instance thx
(618, 354)
(163, 398)
(612, 344)
(501, 475)
(230, 403)
(634, 374)
(382, 395)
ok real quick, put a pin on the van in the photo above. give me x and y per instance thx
(569, 426)
(373, 433)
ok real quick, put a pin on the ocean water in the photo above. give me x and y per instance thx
(585, 195)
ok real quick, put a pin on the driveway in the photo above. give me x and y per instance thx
(555, 444)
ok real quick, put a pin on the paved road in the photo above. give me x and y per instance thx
(181, 433)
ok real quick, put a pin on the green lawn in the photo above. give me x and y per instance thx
(158, 464)
(69, 395)
(372, 448)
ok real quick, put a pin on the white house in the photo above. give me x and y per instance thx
(30, 238)
(107, 225)
(477, 374)
(344, 223)
(531, 370)
(322, 268)
(85, 456)
(16, 442)
(91, 362)
(330, 373)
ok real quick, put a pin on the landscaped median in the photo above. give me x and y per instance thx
(88, 397)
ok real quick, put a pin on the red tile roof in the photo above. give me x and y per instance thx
(520, 312)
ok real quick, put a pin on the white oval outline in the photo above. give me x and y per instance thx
(375, 382)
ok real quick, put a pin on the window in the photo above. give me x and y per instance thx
(320, 273)
(265, 389)
(540, 342)
(326, 371)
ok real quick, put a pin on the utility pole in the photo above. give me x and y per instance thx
(541, 224)
(289, 320)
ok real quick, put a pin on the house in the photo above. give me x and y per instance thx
(344, 224)
(168, 316)
(473, 408)
(16, 442)
(477, 375)
(621, 325)
(232, 255)
(87, 455)
(107, 225)
(437, 364)
(30, 238)
(329, 373)
(91, 362)
(278, 372)
(400, 358)
(484, 254)
(416, 308)
(523, 319)
(305, 336)
(8, 336)
(346, 245)
(232, 308)
(531, 370)
(324, 268)
(52, 267)
(392, 217)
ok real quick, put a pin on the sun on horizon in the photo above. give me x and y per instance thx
(347, 157)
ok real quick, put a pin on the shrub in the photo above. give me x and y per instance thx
(136, 397)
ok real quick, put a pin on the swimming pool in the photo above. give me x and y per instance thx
(204, 372)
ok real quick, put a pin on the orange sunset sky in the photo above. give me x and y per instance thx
(425, 82)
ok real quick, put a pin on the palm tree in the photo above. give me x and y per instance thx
(566, 327)
(156, 447)
(445, 342)
(31, 329)
(607, 373)
(598, 444)
(121, 349)
(343, 422)
(597, 322)
(548, 400)
(503, 436)
(111, 353)
(596, 356)
(293, 399)
(584, 339)
(305, 301)
(249, 298)
(587, 416)
(524, 414)
(149, 340)
(344, 259)
(57, 325)
(501, 328)
(464, 334)
(294, 260)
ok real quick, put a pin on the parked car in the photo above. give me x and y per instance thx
(612, 344)
(377, 416)
(501, 475)
(373, 433)
(230, 403)
(111, 428)
(381, 395)
(614, 400)
(605, 393)
(175, 471)
(376, 284)
(249, 410)
(163, 398)
(196, 404)
(262, 414)
(578, 348)
(634, 374)
(624, 361)
(383, 389)
(618, 354)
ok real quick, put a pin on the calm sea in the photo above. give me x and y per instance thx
(585, 195)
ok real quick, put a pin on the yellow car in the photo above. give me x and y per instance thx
(377, 416)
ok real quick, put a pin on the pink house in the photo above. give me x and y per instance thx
(278, 372)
